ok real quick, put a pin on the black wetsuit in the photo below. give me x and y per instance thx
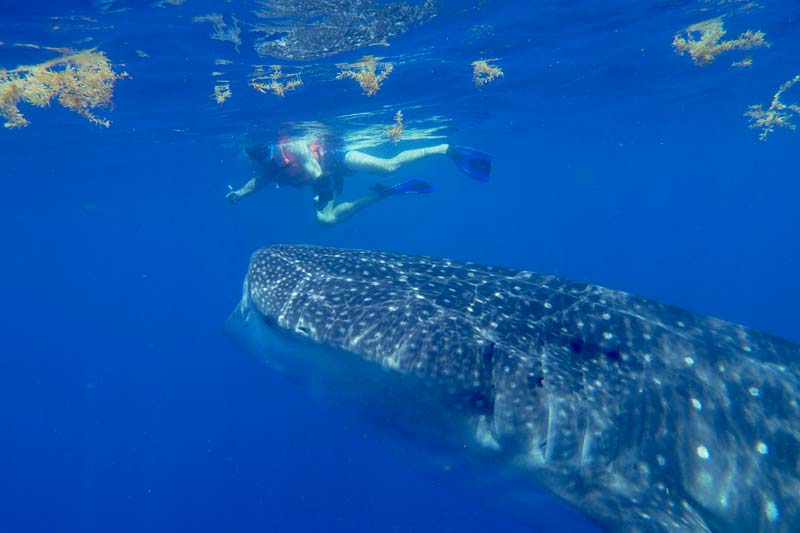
(331, 183)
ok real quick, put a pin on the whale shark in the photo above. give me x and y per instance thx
(640, 415)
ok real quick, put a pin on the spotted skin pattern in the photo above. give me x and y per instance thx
(643, 416)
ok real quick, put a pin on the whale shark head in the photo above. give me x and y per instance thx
(642, 415)
(259, 334)
(326, 319)
(264, 323)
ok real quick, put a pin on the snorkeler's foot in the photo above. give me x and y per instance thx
(414, 186)
(474, 163)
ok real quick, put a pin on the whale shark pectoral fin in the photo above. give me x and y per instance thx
(484, 433)
(569, 433)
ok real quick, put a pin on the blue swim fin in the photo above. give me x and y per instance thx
(414, 186)
(474, 163)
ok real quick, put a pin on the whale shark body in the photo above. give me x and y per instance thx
(642, 416)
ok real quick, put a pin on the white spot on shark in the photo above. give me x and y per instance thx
(702, 452)
(771, 510)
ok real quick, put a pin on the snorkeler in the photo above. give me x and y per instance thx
(299, 163)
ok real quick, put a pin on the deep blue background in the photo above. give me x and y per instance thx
(123, 406)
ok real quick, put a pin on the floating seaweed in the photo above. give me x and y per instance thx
(747, 62)
(365, 72)
(222, 91)
(777, 115)
(396, 131)
(81, 82)
(276, 82)
(702, 41)
(484, 72)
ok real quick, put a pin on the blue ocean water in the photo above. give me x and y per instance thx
(616, 161)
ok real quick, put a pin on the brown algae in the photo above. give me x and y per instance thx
(366, 73)
(395, 132)
(276, 82)
(777, 115)
(80, 81)
(702, 41)
(484, 72)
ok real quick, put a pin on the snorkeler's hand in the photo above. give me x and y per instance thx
(233, 196)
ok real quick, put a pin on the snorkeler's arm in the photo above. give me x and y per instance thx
(313, 168)
(248, 188)
(311, 164)
(299, 152)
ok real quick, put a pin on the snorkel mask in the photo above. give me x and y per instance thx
(261, 154)
(268, 157)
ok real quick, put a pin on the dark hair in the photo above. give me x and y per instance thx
(257, 151)
(261, 156)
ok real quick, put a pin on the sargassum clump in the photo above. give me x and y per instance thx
(702, 41)
(747, 62)
(777, 115)
(275, 82)
(484, 72)
(395, 132)
(365, 72)
(222, 91)
(81, 82)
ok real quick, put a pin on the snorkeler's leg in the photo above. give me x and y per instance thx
(361, 162)
(332, 213)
